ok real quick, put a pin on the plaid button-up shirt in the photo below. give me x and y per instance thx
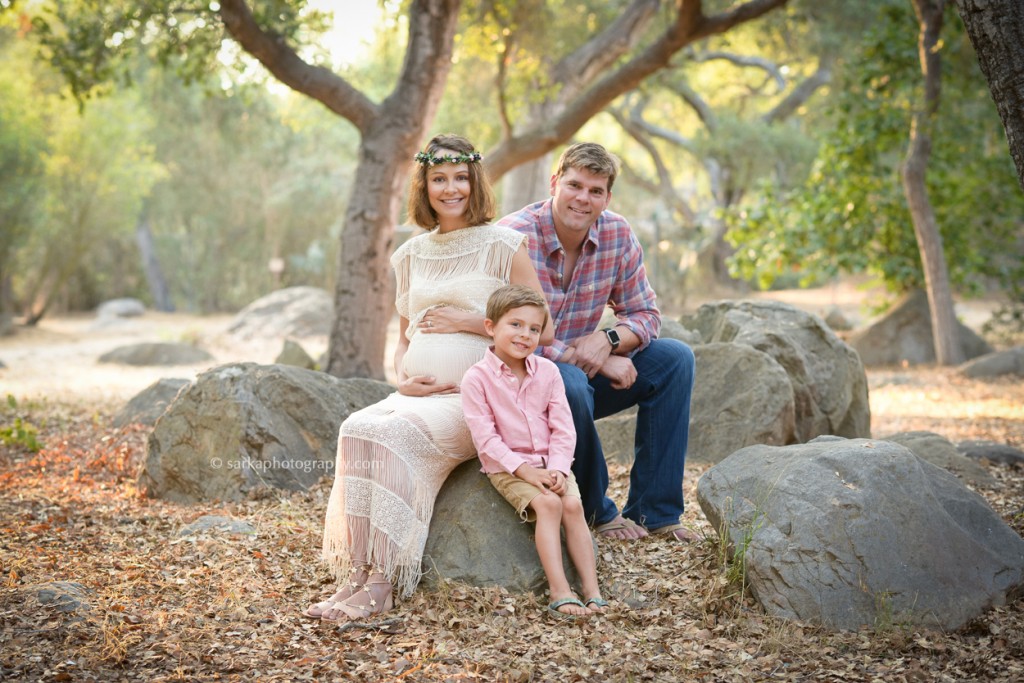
(610, 271)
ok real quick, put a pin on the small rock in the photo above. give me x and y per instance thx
(941, 452)
(290, 312)
(835, 319)
(149, 404)
(156, 353)
(121, 308)
(996, 364)
(64, 596)
(1000, 453)
(293, 354)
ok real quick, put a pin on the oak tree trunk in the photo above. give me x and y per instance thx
(948, 349)
(364, 291)
(526, 184)
(996, 28)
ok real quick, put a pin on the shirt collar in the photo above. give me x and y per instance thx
(499, 368)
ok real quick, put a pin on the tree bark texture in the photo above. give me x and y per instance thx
(996, 29)
(948, 350)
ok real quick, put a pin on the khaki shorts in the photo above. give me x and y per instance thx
(519, 493)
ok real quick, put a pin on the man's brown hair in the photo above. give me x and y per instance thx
(591, 156)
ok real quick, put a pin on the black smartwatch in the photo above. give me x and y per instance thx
(613, 337)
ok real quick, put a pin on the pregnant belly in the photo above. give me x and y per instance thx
(444, 356)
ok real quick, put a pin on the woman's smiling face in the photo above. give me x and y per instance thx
(448, 189)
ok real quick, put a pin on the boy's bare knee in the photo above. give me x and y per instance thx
(547, 505)
(572, 504)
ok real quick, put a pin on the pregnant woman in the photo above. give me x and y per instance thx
(393, 456)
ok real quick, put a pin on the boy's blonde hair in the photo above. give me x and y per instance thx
(504, 299)
(592, 157)
(481, 207)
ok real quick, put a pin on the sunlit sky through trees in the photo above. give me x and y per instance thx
(352, 29)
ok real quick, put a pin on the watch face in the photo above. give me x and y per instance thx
(613, 337)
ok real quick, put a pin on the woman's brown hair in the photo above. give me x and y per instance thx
(481, 207)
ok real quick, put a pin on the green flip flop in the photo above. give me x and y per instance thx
(553, 609)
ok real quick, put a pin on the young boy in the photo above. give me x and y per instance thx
(515, 406)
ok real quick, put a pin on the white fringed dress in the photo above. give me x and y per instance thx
(394, 456)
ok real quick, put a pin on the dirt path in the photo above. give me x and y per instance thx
(57, 360)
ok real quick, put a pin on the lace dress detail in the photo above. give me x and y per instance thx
(394, 456)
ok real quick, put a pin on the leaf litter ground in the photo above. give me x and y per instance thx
(158, 606)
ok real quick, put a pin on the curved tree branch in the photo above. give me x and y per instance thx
(690, 25)
(664, 185)
(598, 54)
(282, 61)
(766, 65)
(801, 93)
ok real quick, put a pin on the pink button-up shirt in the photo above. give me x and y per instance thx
(514, 424)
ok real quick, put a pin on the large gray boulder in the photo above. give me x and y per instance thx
(940, 451)
(150, 403)
(995, 364)
(156, 353)
(830, 389)
(741, 397)
(290, 312)
(243, 426)
(476, 537)
(851, 533)
(904, 335)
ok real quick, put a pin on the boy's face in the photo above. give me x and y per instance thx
(517, 333)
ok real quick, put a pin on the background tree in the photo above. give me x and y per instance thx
(996, 28)
(389, 131)
(22, 141)
(851, 215)
(948, 350)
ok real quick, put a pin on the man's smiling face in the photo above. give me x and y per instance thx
(580, 197)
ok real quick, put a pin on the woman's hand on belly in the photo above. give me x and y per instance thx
(449, 320)
(425, 385)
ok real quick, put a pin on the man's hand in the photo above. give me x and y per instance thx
(591, 352)
(620, 370)
(539, 478)
(425, 385)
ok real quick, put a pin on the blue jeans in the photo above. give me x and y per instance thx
(662, 391)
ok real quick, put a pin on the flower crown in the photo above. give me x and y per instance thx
(427, 159)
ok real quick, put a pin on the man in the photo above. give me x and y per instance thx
(588, 257)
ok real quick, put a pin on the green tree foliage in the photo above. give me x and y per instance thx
(227, 173)
(254, 176)
(81, 179)
(850, 214)
(22, 141)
